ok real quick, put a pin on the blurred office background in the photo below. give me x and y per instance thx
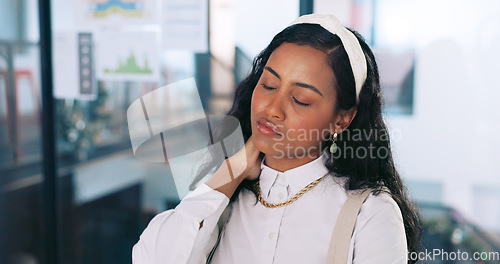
(439, 68)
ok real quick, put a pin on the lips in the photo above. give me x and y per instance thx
(267, 128)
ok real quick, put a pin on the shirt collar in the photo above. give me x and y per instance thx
(296, 179)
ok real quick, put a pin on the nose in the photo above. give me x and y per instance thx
(275, 107)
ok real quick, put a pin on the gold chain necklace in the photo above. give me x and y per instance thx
(291, 200)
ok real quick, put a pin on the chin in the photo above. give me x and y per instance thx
(265, 145)
(261, 144)
(286, 150)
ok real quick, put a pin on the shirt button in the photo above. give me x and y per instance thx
(271, 236)
(283, 179)
(280, 195)
(180, 257)
(210, 208)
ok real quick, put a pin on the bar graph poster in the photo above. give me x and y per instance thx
(128, 56)
(185, 25)
(116, 12)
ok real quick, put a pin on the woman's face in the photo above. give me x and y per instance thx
(293, 104)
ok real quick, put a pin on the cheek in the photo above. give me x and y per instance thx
(256, 102)
(309, 129)
(252, 104)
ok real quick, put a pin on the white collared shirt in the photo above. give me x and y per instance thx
(296, 233)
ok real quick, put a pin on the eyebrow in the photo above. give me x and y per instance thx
(304, 85)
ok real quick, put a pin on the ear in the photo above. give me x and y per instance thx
(343, 119)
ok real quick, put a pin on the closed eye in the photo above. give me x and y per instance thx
(299, 102)
(268, 87)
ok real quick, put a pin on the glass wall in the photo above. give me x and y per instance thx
(21, 208)
(106, 56)
(19, 83)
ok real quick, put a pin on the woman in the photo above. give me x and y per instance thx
(310, 112)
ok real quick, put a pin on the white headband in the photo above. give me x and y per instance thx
(350, 42)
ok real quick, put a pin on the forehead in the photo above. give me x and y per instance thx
(304, 64)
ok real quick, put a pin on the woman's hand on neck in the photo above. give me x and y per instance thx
(245, 164)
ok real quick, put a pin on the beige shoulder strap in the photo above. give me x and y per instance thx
(344, 227)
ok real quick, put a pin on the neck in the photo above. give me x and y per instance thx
(283, 164)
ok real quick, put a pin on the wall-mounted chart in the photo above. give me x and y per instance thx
(128, 56)
(116, 12)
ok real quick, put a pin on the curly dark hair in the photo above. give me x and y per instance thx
(362, 172)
